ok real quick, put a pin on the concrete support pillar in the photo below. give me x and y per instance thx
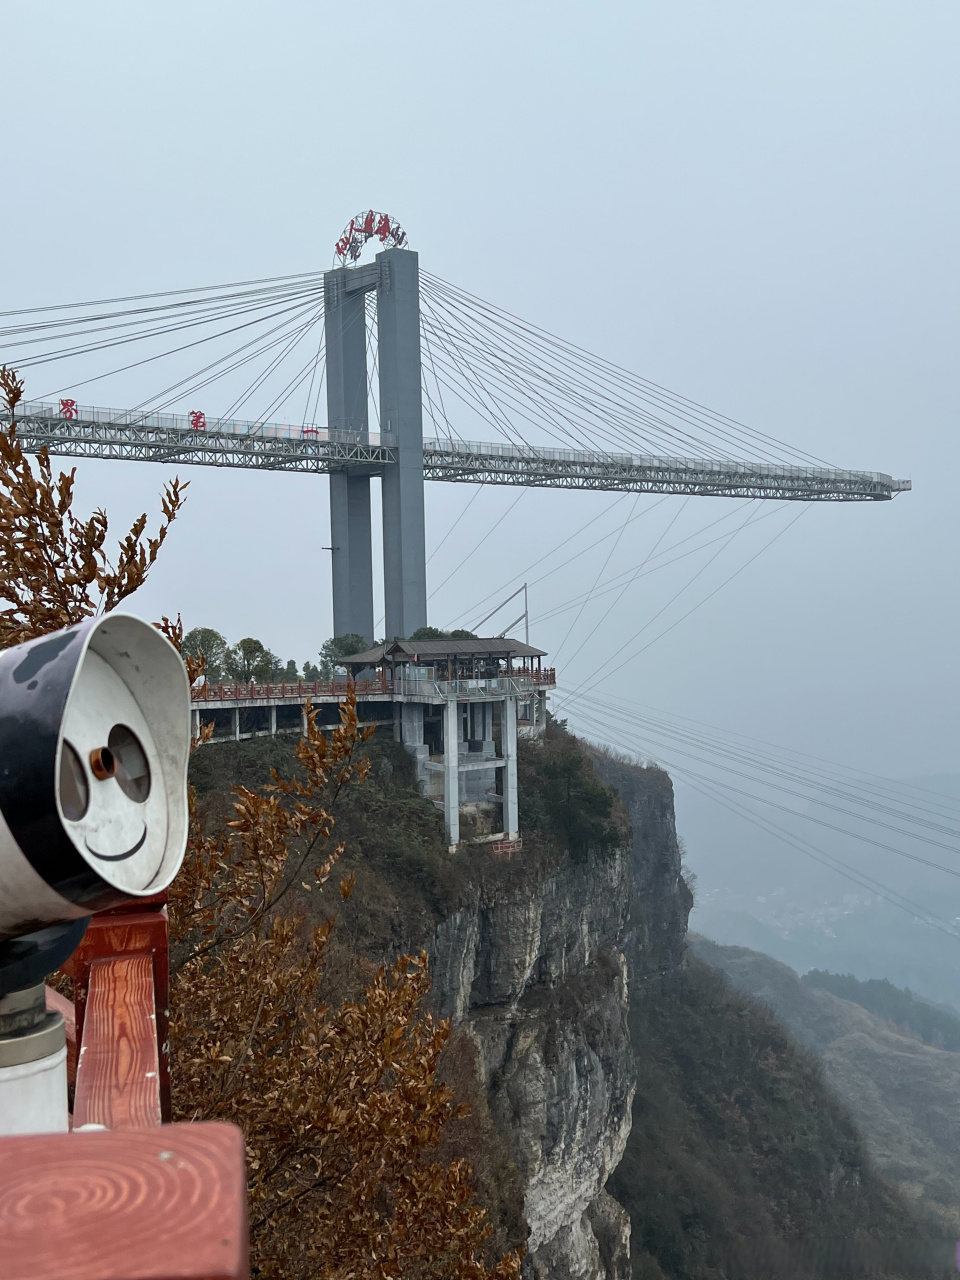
(511, 821)
(347, 413)
(303, 724)
(194, 721)
(352, 553)
(451, 770)
(273, 722)
(411, 724)
(401, 415)
(236, 724)
(487, 734)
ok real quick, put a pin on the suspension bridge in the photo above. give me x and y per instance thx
(410, 346)
(422, 381)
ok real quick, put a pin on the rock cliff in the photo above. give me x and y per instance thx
(536, 969)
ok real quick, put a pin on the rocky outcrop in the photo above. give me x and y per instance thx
(537, 972)
(660, 901)
(512, 938)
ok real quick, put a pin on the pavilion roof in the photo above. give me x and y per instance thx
(482, 647)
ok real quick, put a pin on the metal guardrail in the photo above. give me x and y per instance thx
(476, 690)
(84, 414)
(469, 463)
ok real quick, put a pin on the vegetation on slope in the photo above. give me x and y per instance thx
(404, 883)
(740, 1163)
(562, 799)
(897, 1005)
(901, 1092)
(394, 840)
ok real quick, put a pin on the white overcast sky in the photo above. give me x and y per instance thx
(752, 203)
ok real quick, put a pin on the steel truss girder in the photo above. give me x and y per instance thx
(453, 463)
(79, 439)
(614, 478)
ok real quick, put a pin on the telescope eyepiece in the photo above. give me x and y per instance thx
(103, 763)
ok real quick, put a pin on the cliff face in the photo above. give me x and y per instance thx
(660, 901)
(537, 971)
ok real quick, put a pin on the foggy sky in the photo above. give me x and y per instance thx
(753, 204)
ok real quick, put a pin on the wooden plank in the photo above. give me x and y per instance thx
(153, 1204)
(118, 1070)
(137, 927)
(56, 1003)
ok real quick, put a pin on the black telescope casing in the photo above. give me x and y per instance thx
(76, 837)
(35, 680)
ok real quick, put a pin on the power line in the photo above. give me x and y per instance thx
(475, 549)
(709, 788)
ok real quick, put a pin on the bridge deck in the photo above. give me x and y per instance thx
(88, 432)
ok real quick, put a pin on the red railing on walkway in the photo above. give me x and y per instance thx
(288, 689)
(241, 690)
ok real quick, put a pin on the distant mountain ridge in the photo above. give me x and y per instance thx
(903, 1094)
(934, 1024)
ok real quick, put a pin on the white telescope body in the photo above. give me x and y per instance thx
(94, 744)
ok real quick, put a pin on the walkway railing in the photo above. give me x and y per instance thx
(86, 431)
(521, 681)
(302, 689)
(516, 685)
(71, 411)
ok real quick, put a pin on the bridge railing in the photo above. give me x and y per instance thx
(515, 685)
(82, 414)
(719, 466)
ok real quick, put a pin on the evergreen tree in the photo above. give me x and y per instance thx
(213, 646)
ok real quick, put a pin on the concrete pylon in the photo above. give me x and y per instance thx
(395, 275)
(347, 412)
(401, 415)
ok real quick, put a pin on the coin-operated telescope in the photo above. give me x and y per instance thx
(94, 743)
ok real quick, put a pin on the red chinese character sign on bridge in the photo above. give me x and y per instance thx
(364, 227)
(198, 420)
(68, 409)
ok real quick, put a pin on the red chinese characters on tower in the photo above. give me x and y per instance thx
(198, 420)
(68, 409)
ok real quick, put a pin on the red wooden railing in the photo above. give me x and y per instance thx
(241, 690)
(137, 1199)
(288, 689)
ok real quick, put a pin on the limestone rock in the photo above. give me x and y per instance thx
(538, 975)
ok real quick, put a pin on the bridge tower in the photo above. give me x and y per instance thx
(394, 276)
